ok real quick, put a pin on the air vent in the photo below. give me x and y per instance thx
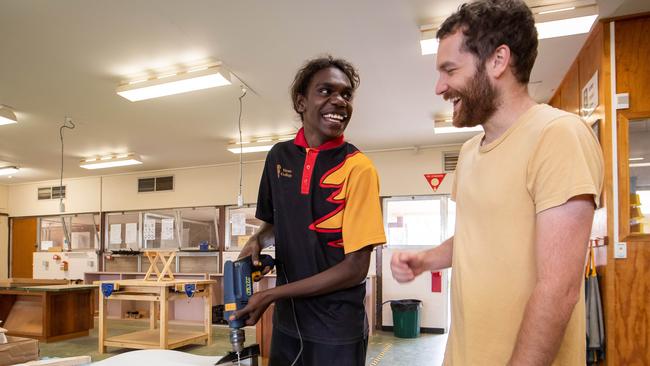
(47, 193)
(156, 184)
(449, 160)
(165, 183)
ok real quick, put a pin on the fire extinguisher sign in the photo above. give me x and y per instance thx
(435, 180)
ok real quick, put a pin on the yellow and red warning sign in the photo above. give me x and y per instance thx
(435, 180)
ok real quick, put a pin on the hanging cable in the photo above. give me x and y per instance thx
(240, 197)
(67, 123)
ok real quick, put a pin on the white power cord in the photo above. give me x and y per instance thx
(240, 197)
(295, 319)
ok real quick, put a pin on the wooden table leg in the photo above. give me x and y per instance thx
(207, 318)
(164, 317)
(101, 332)
(152, 315)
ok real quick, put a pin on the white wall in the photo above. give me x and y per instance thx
(82, 195)
(401, 173)
(434, 313)
(203, 186)
(4, 204)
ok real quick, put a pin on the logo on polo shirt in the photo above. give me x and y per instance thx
(283, 172)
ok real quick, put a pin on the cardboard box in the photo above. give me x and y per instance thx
(18, 350)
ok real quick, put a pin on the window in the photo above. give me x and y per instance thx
(123, 231)
(419, 220)
(199, 224)
(75, 232)
(639, 163)
(241, 223)
(182, 228)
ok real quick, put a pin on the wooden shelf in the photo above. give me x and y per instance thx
(150, 339)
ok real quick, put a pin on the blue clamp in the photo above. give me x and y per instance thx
(107, 289)
(190, 289)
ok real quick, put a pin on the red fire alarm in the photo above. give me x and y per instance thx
(64, 266)
(436, 281)
(56, 257)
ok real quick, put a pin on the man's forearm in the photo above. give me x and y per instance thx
(439, 257)
(542, 329)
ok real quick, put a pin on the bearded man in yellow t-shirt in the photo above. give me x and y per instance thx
(525, 193)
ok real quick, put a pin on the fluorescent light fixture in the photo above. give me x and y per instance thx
(175, 84)
(429, 46)
(259, 145)
(446, 126)
(639, 165)
(8, 170)
(556, 10)
(551, 29)
(110, 161)
(635, 159)
(565, 27)
(7, 116)
(452, 129)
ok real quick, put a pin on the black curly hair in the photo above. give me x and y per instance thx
(488, 24)
(311, 67)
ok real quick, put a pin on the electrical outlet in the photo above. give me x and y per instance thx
(620, 250)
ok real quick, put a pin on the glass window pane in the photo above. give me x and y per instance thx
(414, 221)
(84, 232)
(160, 229)
(123, 231)
(639, 136)
(51, 233)
(199, 225)
(241, 223)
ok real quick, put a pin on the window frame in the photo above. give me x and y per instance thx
(444, 200)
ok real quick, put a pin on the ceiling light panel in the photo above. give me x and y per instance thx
(7, 115)
(110, 161)
(8, 170)
(565, 27)
(203, 78)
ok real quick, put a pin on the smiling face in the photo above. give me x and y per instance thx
(326, 107)
(464, 83)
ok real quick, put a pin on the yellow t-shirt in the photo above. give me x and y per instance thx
(544, 159)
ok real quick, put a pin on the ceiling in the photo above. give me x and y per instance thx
(66, 58)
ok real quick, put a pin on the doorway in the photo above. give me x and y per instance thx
(23, 246)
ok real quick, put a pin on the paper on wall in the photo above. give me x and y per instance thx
(131, 235)
(149, 231)
(46, 244)
(167, 232)
(115, 236)
(238, 224)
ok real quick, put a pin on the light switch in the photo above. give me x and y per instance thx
(620, 250)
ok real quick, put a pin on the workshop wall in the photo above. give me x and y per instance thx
(82, 195)
(401, 173)
(4, 205)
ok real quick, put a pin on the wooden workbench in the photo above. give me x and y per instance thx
(46, 312)
(159, 294)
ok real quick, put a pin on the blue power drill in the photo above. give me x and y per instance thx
(238, 278)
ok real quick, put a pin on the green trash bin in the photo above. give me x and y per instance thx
(406, 317)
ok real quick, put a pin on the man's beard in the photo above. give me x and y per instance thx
(479, 101)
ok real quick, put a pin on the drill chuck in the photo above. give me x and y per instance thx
(237, 339)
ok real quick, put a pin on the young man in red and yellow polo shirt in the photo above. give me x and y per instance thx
(319, 196)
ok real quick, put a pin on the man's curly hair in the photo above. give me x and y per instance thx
(311, 67)
(488, 24)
